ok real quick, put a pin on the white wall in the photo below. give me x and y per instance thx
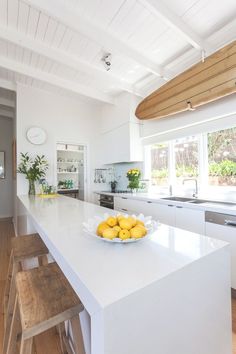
(64, 119)
(6, 185)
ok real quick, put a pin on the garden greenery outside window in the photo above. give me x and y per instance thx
(222, 157)
(186, 158)
(210, 158)
(159, 164)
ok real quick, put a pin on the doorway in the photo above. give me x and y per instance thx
(71, 170)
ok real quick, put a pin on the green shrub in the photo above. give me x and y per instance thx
(222, 169)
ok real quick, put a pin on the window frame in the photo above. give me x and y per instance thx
(203, 166)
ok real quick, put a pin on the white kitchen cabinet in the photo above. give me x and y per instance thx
(218, 226)
(173, 215)
(165, 213)
(190, 219)
(96, 198)
(124, 205)
(122, 144)
(158, 211)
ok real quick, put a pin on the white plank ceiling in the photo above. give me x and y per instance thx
(58, 44)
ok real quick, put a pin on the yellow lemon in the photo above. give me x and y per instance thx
(132, 220)
(101, 227)
(124, 234)
(143, 228)
(136, 232)
(109, 233)
(125, 224)
(120, 217)
(139, 222)
(117, 228)
(111, 221)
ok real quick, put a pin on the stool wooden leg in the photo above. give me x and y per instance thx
(7, 287)
(77, 335)
(15, 329)
(43, 260)
(62, 335)
(10, 307)
(26, 346)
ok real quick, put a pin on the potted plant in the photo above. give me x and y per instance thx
(133, 175)
(113, 185)
(33, 169)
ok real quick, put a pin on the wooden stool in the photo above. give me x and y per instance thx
(44, 299)
(23, 248)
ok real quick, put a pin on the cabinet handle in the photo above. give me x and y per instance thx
(179, 207)
(149, 202)
(169, 205)
(124, 209)
(124, 198)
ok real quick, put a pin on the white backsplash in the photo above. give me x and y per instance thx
(120, 170)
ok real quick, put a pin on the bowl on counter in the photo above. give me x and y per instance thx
(142, 227)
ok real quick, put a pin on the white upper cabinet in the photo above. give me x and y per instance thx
(120, 132)
(122, 144)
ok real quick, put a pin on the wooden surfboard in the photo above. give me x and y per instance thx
(204, 82)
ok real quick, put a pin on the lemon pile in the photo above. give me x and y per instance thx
(122, 227)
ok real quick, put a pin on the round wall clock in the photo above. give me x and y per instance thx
(36, 135)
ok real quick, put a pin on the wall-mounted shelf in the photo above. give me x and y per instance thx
(76, 151)
(68, 162)
(68, 173)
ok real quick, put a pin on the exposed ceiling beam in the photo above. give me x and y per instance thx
(64, 58)
(6, 102)
(224, 35)
(5, 113)
(54, 80)
(111, 43)
(8, 85)
(175, 22)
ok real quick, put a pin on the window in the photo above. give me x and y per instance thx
(209, 157)
(222, 158)
(186, 158)
(159, 164)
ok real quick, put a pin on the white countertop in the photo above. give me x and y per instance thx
(105, 272)
(224, 207)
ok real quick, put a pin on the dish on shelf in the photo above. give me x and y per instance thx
(146, 224)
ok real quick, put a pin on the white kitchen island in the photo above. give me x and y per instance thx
(169, 294)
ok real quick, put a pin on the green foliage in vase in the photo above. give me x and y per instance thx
(33, 169)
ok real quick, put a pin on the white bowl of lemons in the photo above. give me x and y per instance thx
(121, 228)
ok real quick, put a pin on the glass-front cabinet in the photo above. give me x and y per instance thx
(71, 170)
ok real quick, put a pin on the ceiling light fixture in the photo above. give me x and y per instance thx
(106, 59)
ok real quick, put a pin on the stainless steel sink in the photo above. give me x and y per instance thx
(201, 201)
(198, 201)
(178, 199)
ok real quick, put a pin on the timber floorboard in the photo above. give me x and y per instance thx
(48, 342)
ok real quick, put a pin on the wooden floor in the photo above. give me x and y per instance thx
(48, 342)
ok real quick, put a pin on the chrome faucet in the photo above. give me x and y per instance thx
(195, 195)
